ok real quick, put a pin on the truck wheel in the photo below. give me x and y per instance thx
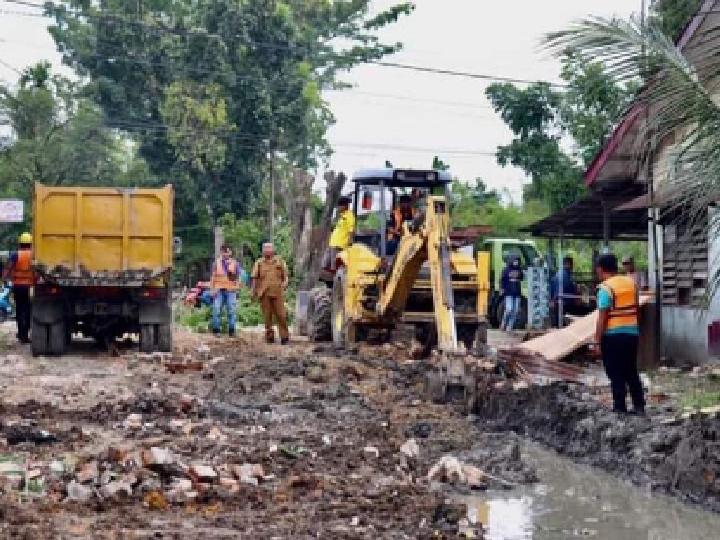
(57, 338)
(38, 339)
(163, 333)
(147, 338)
(319, 314)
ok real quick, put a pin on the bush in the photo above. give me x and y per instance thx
(248, 313)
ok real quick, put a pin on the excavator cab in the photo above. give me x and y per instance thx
(429, 284)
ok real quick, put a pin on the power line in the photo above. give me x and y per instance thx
(298, 48)
(453, 73)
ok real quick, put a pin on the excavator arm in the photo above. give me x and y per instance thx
(429, 241)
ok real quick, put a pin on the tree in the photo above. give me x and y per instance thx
(541, 118)
(216, 92)
(58, 138)
(671, 16)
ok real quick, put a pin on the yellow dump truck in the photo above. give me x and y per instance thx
(103, 258)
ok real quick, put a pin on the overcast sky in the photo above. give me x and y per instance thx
(402, 116)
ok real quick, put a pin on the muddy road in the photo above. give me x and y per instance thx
(238, 439)
(235, 439)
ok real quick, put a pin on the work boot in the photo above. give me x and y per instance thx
(269, 338)
(284, 341)
(231, 332)
(216, 332)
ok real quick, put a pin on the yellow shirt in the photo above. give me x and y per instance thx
(342, 234)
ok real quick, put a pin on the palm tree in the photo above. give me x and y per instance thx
(680, 99)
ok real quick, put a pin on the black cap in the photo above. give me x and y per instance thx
(344, 201)
(405, 198)
(608, 262)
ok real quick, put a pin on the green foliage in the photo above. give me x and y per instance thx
(214, 90)
(472, 205)
(671, 16)
(700, 399)
(541, 118)
(247, 235)
(59, 139)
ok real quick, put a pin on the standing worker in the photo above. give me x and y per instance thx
(20, 272)
(224, 284)
(617, 333)
(342, 234)
(628, 265)
(269, 281)
(511, 284)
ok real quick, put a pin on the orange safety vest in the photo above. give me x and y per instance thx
(624, 296)
(22, 272)
(398, 219)
(220, 278)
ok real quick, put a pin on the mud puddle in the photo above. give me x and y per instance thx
(577, 501)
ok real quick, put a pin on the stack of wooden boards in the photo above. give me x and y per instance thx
(540, 360)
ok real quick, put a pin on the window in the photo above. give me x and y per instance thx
(685, 265)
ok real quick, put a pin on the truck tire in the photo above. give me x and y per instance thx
(39, 339)
(163, 334)
(147, 338)
(57, 338)
(319, 314)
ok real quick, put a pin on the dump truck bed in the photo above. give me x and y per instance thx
(102, 236)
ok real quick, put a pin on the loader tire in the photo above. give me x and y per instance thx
(319, 314)
(57, 338)
(39, 338)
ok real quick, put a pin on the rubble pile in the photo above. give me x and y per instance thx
(291, 442)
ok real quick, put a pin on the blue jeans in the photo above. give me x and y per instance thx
(229, 300)
(512, 308)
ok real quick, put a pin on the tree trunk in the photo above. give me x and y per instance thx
(320, 235)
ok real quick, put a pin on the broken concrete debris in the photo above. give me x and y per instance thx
(371, 452)
(410, 449)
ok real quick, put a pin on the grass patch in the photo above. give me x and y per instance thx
(700, 399)
(248, 313)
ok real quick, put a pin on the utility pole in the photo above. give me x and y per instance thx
(272, 193)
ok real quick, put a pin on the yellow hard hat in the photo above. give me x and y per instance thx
(25, 238)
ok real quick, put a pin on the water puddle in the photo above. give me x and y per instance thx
(574, 501)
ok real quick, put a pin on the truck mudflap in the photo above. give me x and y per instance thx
(155, 313)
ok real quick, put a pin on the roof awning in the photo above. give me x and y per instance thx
(643, 201)
(585, 219)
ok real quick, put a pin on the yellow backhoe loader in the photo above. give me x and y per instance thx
(418, 277)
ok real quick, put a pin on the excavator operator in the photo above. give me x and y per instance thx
(402, 213)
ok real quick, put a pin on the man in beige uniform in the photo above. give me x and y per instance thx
(270, 279)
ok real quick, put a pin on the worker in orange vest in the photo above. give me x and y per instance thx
(617, 333)
(20, 273)
(225, 283)
(404, 212)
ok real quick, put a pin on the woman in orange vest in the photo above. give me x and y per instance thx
(617, 334)
(21, 274)
(225, 282)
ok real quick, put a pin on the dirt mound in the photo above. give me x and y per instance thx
(681, 458)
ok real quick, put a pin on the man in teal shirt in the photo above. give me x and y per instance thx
(617, 333)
